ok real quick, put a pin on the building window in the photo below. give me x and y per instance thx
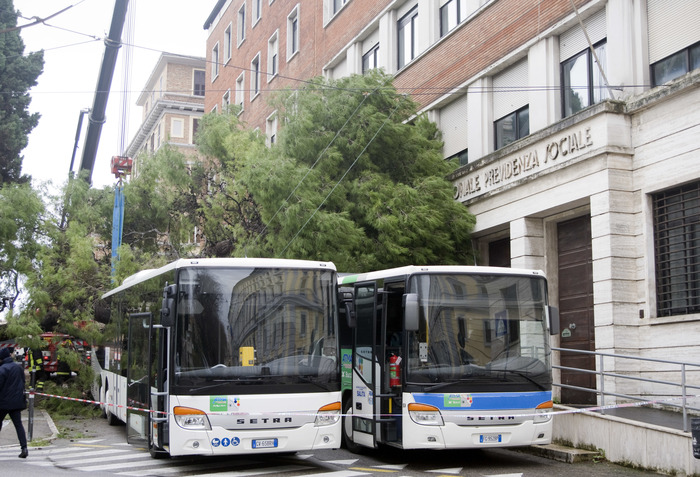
(255, 76)
(454, 12)
(257, 11)
(369, 59)
(177, 128)
(272, 57)
(228, 42)
(215, 62)
(293, 33)
(582, 80)
(407, 37)
(449, 16)
(271, 129)
(676, 65)
(240, 90)
(195, 127)
(241, 24)
(159, 133)
(512, 127)
(337, 5)
(199, 77)
(225, 101)
(677, 250)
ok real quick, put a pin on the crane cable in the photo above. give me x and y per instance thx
(127, 64)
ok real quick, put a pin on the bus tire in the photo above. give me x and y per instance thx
(157, 453)
(112, 419)
(347, 441)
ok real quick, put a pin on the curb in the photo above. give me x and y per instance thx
(51, 424)
(561, 453)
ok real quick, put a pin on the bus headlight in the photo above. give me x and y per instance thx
(425, 414)
(328, 414)
(190, 418)
(543, 412)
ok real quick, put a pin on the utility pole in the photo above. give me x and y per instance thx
(104, 83)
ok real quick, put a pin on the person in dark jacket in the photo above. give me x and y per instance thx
(12, 400)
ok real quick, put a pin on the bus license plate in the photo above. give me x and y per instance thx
(489, 438)
(264, 443)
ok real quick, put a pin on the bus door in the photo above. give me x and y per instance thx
(145, 395)
(366, 366)
(391, 352)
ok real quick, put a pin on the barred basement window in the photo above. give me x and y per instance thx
(677, 250)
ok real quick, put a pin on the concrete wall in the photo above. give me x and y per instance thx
(628, 442)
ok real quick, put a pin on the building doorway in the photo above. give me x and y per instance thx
(576, 309)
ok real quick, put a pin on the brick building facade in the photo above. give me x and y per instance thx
(575, 124)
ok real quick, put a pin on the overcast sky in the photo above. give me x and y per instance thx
(73, 49)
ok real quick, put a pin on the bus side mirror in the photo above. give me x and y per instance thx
(167, 311)
(410, 310)
(350, 314)
(553, 313)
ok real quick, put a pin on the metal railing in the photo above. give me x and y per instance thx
(682, 395)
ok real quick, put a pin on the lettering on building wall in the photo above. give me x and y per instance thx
(525, 163)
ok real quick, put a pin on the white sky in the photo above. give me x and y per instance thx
(72, 64)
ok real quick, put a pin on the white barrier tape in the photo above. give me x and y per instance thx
(88, 401)
(470, 416)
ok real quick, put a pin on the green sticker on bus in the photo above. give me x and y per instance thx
(453, 400)
(218, 403)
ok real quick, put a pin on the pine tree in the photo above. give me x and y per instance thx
(18, 73)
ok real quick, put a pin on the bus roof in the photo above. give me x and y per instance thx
(231, 262)
(348, 279)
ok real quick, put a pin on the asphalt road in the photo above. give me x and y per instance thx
(91, 447)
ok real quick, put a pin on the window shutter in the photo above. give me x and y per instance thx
(573, 41)
(453, 124)
(672, 26)
(510, 90)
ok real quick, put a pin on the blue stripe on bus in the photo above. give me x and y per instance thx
(483, 401)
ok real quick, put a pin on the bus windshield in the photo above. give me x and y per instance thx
(253, 330)
(485, 331)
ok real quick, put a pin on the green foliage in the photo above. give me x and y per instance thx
(21, 227)
(71, 269)
(78, 387)
(160, 211)
(18, 73)
(230, 217)
(25, 328)
(356, 177)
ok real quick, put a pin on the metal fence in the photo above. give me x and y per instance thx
(678, 392)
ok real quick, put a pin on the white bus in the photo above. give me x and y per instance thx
(446, 357)
(224, 356)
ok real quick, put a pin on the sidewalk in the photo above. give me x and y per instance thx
(43, 429)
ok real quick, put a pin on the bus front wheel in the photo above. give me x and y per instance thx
(348, 443)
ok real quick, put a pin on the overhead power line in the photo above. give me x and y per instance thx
(37, 20)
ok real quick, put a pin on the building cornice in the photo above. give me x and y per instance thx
(155, 114)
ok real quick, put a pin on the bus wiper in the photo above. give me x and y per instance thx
(522, 374)
(312, 379)
(219, 383)
(232, 380)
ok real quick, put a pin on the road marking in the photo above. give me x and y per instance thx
(337, 473)
(171, 467)
(371, 469)
(341, 462)
(391, 467)
(454, 471)
(113, 458)
(62, 458)
(263, 471)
